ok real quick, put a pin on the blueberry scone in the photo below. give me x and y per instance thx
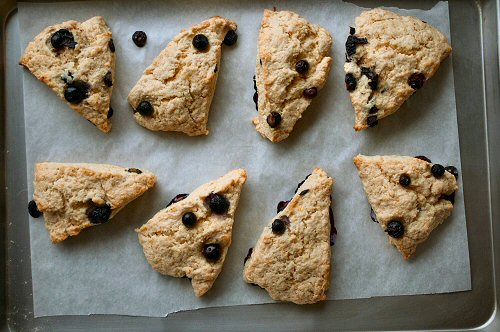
(409, 196)
(176, 90)
(388, 58)
(291, 259)
(72, 197)
(191, 236)
(292, 66)
(77, 61)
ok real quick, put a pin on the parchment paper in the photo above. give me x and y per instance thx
(103, 270)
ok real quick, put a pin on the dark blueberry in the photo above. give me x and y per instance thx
(281, 206)
(373, 110)
(395, 229)
(260, 61)
(76, 91)
(216, 68)
(200, 42)
(350, 82)
(372, 121)
(218, 203)
(139, 38)
(99, 214)
(145, 108)
(249, 254)
(189, 219)
(302, 66)
(352, 30)
(450, 198)
(256, 98)
(177, 198)
(278, 226)
(351, 43)
(273, 119)
(373, 216)
(416, 81)
(110, 113)
(134, 170)
(212, 251)
(437, 170)
(111, 45)
(424, 158)
(303, 192)
(404, 180)
(453, 170)
(108, 80)
(254, 83)
(372, 76)
(333, 230)
(301, 182)
(62, 38)
(33, 209)
(230, 38)
(310, 93)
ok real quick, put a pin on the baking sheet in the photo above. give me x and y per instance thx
(103, 270)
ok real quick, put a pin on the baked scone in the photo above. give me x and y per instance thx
(410, 196)
(388, 58)
(291, 259)
(176, 90)
(292, 66)
(191, 236)
(77, 61)
(72, 197)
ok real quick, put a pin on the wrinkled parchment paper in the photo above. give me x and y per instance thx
(103, 270)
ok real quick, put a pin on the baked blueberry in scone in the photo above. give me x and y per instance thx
(409, 196)
(388, 58)
(191, 236)
(77, 61)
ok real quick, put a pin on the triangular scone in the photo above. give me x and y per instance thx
(291, 259)
(389, 57)
(76, 196)
(410, 196)
(176, 90)
(77, 61)
(292, 66)
(190, 237)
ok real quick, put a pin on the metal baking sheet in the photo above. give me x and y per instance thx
(475, 61)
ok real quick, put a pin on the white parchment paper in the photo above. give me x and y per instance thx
(103, 270)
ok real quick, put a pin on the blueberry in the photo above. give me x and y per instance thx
(212, 251)
(302, 66)
(373, 216)
(303, 192)
(177, 198)
(373, 110)
(230, 38)
(395, 229)
(76, 91)
(351, 43)
(99, 214)
(301, 182)
(372, 76)
(111, 45)
(110, 113)
(278, 226)
(189, 219)
(350, 82)
(256, 98)
(33, 209)
(62, 38)
(139, 38)
(145, 108)
(134, 170)
(273, 119)
(424, 158)
(249, 254)
(281, 206)
(200, 42)
(108, 80)
(216, 68)
(453, 170)
(352, 30)
(310, 93)
(218, 203)
(404, 180)
(450, 198)
(416, 80)
(254, 83)
(437, 170)
(333, 230)
(372, 121)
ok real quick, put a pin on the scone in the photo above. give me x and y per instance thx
(291, 259)
(176, 90)
(292, 66)
(72, 197)
(410, 196)
(191, 236)
(77, 61)
(388, 58)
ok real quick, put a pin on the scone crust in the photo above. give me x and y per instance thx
(285, 38)
(295, 266)
(180, 83)
(89, 61)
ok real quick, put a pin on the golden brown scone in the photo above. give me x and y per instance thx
(191, 236)
(409, 196)
(77, 61)
(388, 58)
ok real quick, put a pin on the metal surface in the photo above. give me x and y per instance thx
(474, 30)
